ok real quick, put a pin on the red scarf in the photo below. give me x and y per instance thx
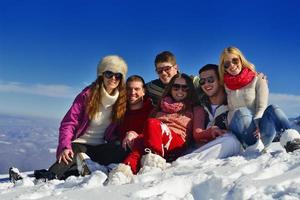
(168, 105)
(240, 80)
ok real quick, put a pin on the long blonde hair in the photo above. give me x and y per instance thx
(237, 52)
(94, 99)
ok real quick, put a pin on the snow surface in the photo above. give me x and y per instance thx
(273, 175)
(30, 143)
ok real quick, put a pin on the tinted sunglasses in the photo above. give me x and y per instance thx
(177, 87)
(110, 74)
(163, 69)
(234, 61)
(209, 79)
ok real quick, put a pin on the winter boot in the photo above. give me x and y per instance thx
(14, 174)
(44, 174)
(82, 166)
(122, 174)
(151, 162)
(290, 140)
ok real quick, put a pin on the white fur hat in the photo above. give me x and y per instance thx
(112, 63)
(288, 136)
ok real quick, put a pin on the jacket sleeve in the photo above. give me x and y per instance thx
(200, 134)
(204, 136)
(261, 98)
(198, 121)
(70, 123)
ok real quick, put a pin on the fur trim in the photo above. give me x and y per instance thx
(288, 136)
(112, 63)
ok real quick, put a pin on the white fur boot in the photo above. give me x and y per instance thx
(122, 174)
(150, 162)
(290, 140)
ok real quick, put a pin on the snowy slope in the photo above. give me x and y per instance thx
(274, 175)
(27, 142)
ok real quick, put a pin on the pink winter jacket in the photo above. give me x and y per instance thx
(184, 124)
(74, 123)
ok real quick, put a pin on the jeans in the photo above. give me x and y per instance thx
(271, 125)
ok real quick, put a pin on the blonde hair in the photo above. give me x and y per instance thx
(237, 52)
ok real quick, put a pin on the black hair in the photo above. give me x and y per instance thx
(210, 67)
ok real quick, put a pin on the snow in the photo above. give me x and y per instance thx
(273, 175)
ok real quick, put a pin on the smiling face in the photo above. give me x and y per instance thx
(166, 71)
(135, 92)
(110, 84)
(179, 89)
(210, 84)
(232, 64)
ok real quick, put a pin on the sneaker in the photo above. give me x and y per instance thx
(290, 140)
(14, 174)
(122, 174)
(82, 166)
(151, 161)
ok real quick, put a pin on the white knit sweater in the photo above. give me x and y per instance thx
(94, 134)
(254, 96)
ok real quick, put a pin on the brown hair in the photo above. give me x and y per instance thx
(94, 99)
(190, 99)
(165, 56)
(136, 78)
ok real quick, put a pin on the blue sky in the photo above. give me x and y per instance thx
(49, 49)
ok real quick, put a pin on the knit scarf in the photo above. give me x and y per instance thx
(168, 105)
(240, 80)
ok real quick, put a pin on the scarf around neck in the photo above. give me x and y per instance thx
(240, 80)
(168, 105)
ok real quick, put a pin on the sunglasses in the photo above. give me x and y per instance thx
(234, 61)
(209, 79)
(110, 74)
(177, 87)
(163, 69)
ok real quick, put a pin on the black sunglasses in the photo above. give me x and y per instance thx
(163, 69)
(110, 74)
(209, 79)
(234, 61)
(177, 87)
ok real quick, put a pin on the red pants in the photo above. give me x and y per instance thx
(159, 139)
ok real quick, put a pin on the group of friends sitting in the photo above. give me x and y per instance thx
(221, 112)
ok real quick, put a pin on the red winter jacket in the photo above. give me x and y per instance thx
(134, 119)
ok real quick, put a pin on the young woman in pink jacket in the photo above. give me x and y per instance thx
(81, 133)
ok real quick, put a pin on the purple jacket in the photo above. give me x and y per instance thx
(74, 123)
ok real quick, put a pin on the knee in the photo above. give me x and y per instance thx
(272, 108)
(242, 112)
(152, 122)
(242, 115)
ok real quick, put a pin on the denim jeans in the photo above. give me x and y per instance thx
(271, 124)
